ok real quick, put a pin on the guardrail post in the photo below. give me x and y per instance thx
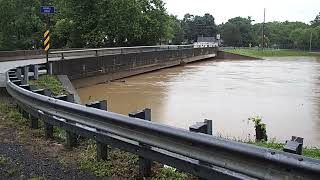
(144, 164)
(36, 72)
(48, 130)
(205, 128)
(294, 145)
(19, 73)
(34, 123)
(96, 53)
(102, 148)
(49, 69)
(71, 138)
(202, 127)
(62, 56)
(25, 74)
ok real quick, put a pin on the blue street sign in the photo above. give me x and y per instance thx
(47, 9)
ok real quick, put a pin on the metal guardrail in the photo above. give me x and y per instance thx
(220, 158)
(118, 50)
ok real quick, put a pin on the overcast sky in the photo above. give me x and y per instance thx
(222, 10)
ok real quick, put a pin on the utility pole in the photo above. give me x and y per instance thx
(264, 20)
(310, 47)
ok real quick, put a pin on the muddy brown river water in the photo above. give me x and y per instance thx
(285, 92)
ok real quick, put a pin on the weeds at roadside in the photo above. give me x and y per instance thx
(7, 167)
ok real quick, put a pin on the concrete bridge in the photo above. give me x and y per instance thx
(83, 63)
(87, 63)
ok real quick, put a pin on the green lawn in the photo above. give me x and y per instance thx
(270, 52)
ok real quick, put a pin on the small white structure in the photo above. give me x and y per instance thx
(205, 42)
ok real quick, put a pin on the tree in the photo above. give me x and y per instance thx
(238, 32)
(21, 26)
(97, 23)
(195, 26)
(176, 30)
(316, 21)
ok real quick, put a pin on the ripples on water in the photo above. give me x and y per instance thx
(285, 92)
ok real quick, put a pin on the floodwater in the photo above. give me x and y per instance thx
(285, 92)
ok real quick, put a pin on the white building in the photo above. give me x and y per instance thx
(205, 42)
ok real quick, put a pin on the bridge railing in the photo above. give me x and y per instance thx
(203, 155)
(115, 50)
(39, 53)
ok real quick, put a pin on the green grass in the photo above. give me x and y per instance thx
(307, 151)
(49, 82)
(8, 167)
(121, 164)
(170, 174)
(269, 52)
(4, 160)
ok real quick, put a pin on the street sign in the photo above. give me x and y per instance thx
(47, 9)
(218, 36)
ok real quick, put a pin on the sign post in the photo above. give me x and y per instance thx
(46, 10)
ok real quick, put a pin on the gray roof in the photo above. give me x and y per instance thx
(206, 39)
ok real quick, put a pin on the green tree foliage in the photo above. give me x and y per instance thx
(176, 30)
(20, 24)
(277, 33)
(316, 21)
(98, 23)
(195, 26)
(238, 32)
(86, 23)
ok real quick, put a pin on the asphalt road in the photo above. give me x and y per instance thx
(5, 66)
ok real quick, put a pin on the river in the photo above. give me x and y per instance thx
(285, 92)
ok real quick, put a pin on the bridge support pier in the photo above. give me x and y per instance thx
(144, 164)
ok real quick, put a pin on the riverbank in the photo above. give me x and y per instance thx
(269, 52)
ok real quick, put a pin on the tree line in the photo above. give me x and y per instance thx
(109, 23)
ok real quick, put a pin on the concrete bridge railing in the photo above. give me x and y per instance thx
(115, 66)
(62, 53)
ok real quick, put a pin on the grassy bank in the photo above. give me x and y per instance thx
(270, 52)
(49, 82)
(308, 152)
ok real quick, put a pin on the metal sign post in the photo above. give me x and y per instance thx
(46, 10)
